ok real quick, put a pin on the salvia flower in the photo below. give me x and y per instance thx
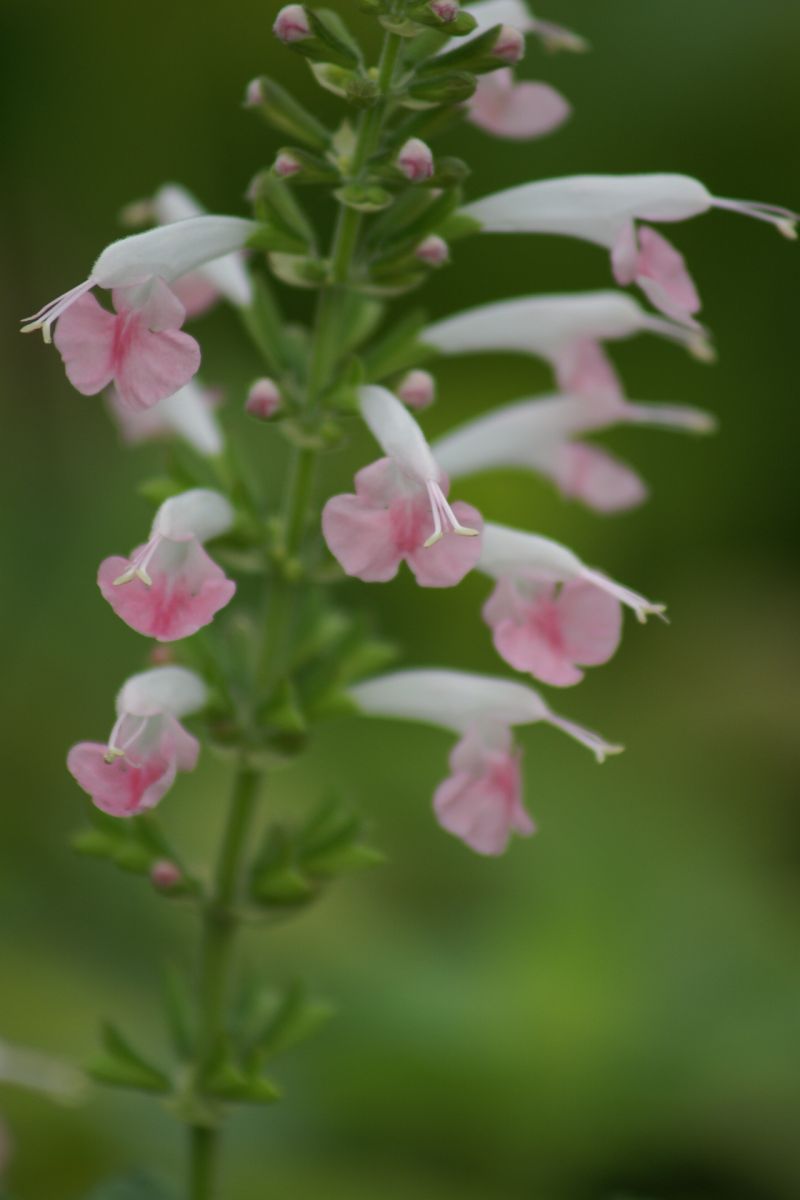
(519, 111)
(550, 614)
(516, 12)
(605, 209)
(169, 588)
(188, 414)
(433, 250)
(567, 331)
(481, 801)
(139, 346)
(147, 746)
(415, 160)
(400, 509)
(539, 435)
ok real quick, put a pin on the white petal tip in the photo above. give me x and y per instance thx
(701, 349)
(788, 229)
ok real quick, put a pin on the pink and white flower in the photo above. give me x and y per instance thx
(539, 435)
(188, 414)
(169, 588)
(567, 331)
(400, 509)
(550, 614)
(291, 24)
(605, 209)
(417, 389)
(519, 111)
(199, 290)
(481, 801)
(139, 346)
(263, 399)
(147, 746)
(433, 251)
(415, 160)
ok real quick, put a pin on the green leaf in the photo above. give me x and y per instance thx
(264, 323)
(283, 1021)
(123, 1066)
(179, 1011)
(399, 349)
(228, 1081)
(280, 109)
(276, 204)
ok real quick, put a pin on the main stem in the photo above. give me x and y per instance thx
(220, 921)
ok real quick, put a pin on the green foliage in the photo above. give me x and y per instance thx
(135, 844)
(130, 1187)
(121, 1065)
(283, 112)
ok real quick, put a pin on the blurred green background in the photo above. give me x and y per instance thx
(613, 1009)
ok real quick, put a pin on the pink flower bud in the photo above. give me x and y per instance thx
(433, 250)
(445, 10)
(263, 399)
(510, 45)
(415, 160)
(291, 24)
(253, 95)
(286, 165)
(161, 656)
(165, 875)
(417, 389)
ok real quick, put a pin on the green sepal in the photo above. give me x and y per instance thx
(264, 323)
(275, 1022)
(399, 349)
(338, 80)
(360, 319)
(280, 109)
(361, 90)
(298, 270)
(393, 285)
(330, 30)
(313, 168)
(426, 124)
(366, 198)
(276, 879)
(225, 1080)
(447, 88)
(476, 56)
(275, 204)
(179, 1011)
(159, 488)
(284, 712)
(457, 226)
(122, 1066)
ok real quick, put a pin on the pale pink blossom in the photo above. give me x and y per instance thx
(188, 414)
(433, 250)
(489, 13)
(147, 746)
(169, 588)
(291, 24)
(605, 209)
(139, 346)
(415, 160)
(520, 111)
(400, 511)
(263, 399)
(539, 435)
(567, 331)
(480, 802)
(550, 614)
(417, 389)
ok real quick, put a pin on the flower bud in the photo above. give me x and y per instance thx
(510, 45)
(445, 10)
(161, 655)
(433, 250)
(254, 94)
(165, 875)
(263, 399)
(417, 389)
(291, 24)
(415, 160)
(286, 165)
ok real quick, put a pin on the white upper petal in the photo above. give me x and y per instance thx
(200, 513)
(397, 433)
(541, 325)
(522, 434)
(506, 551)
(594, 207)
(174, 690)
(170, 251)
(455, 700)
(173, 203)
(500, 12)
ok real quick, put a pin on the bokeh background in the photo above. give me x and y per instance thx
(613, 1009)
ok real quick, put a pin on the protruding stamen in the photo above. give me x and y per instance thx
(784, 220)
(45, 317)
(593, 741)
(641, 606)
(138, 566)
(115, 751)
(444, 519)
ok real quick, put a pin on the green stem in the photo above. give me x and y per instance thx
(220, 921)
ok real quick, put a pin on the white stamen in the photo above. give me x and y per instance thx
(114, 751)
(783, 219)
(593, 741)
(642, 607)
(444, 519)
(45, 317)
(139, 564)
